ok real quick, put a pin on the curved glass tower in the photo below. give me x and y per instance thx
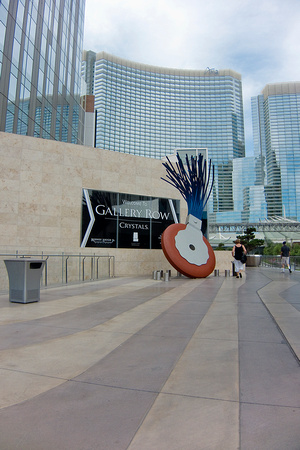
(276, 129)
(40, 58)
(151, 111)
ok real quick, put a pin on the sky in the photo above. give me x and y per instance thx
(260, 39)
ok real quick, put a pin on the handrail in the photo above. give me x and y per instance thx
(65, 268)
(274, 261)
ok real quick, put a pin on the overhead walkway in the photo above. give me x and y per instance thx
(141, 364)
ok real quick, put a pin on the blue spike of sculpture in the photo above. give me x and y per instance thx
(193, 183)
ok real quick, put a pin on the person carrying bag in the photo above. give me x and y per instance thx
(239, 253)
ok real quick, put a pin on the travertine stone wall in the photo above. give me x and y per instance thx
(41, 192)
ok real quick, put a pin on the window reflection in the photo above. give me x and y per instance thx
(30, 64)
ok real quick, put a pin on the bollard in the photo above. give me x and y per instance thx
(216, 272)
(227, 273)
(158, 275)
(166, 276)
(154, 275)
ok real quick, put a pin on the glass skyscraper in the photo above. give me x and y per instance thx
(276, 130)
(40, 60)
(248, 190)
(151, 111)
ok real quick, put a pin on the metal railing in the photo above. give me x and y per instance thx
(275, 261)
(62, 269)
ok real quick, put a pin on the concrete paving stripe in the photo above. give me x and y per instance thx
(20, 313)
(221, 320)
(209, 365)
(176, 422)
(137, 318)
(286, 315)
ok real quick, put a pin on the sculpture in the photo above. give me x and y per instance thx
(184, 245)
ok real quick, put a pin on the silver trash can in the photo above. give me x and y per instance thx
(253, 260)
(24, 276)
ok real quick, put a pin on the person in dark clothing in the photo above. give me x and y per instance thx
(237, 253)
(285, 257)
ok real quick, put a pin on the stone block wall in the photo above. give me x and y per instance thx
(41, 195)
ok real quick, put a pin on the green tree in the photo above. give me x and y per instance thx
(222, 247)
(249, 241)
(274, 249)
(295, 250)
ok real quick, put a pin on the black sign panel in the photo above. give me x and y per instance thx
(116, 220)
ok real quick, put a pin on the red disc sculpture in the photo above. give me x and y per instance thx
(184, 245)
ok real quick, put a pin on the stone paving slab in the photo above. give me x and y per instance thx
(268, 427)
(181, 422)
(75, 416)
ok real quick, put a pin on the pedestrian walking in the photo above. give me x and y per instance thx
(285, 257)
(237, 252)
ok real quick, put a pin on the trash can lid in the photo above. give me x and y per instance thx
(25, 259)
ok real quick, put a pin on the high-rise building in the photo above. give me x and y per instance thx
(248, 190)
(276, 131)
(40, 60)
(151, 111)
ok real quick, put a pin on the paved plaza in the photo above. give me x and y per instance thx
(142, 364)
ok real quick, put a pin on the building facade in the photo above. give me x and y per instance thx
(40, 59)
(151, 111)
(276, 131)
